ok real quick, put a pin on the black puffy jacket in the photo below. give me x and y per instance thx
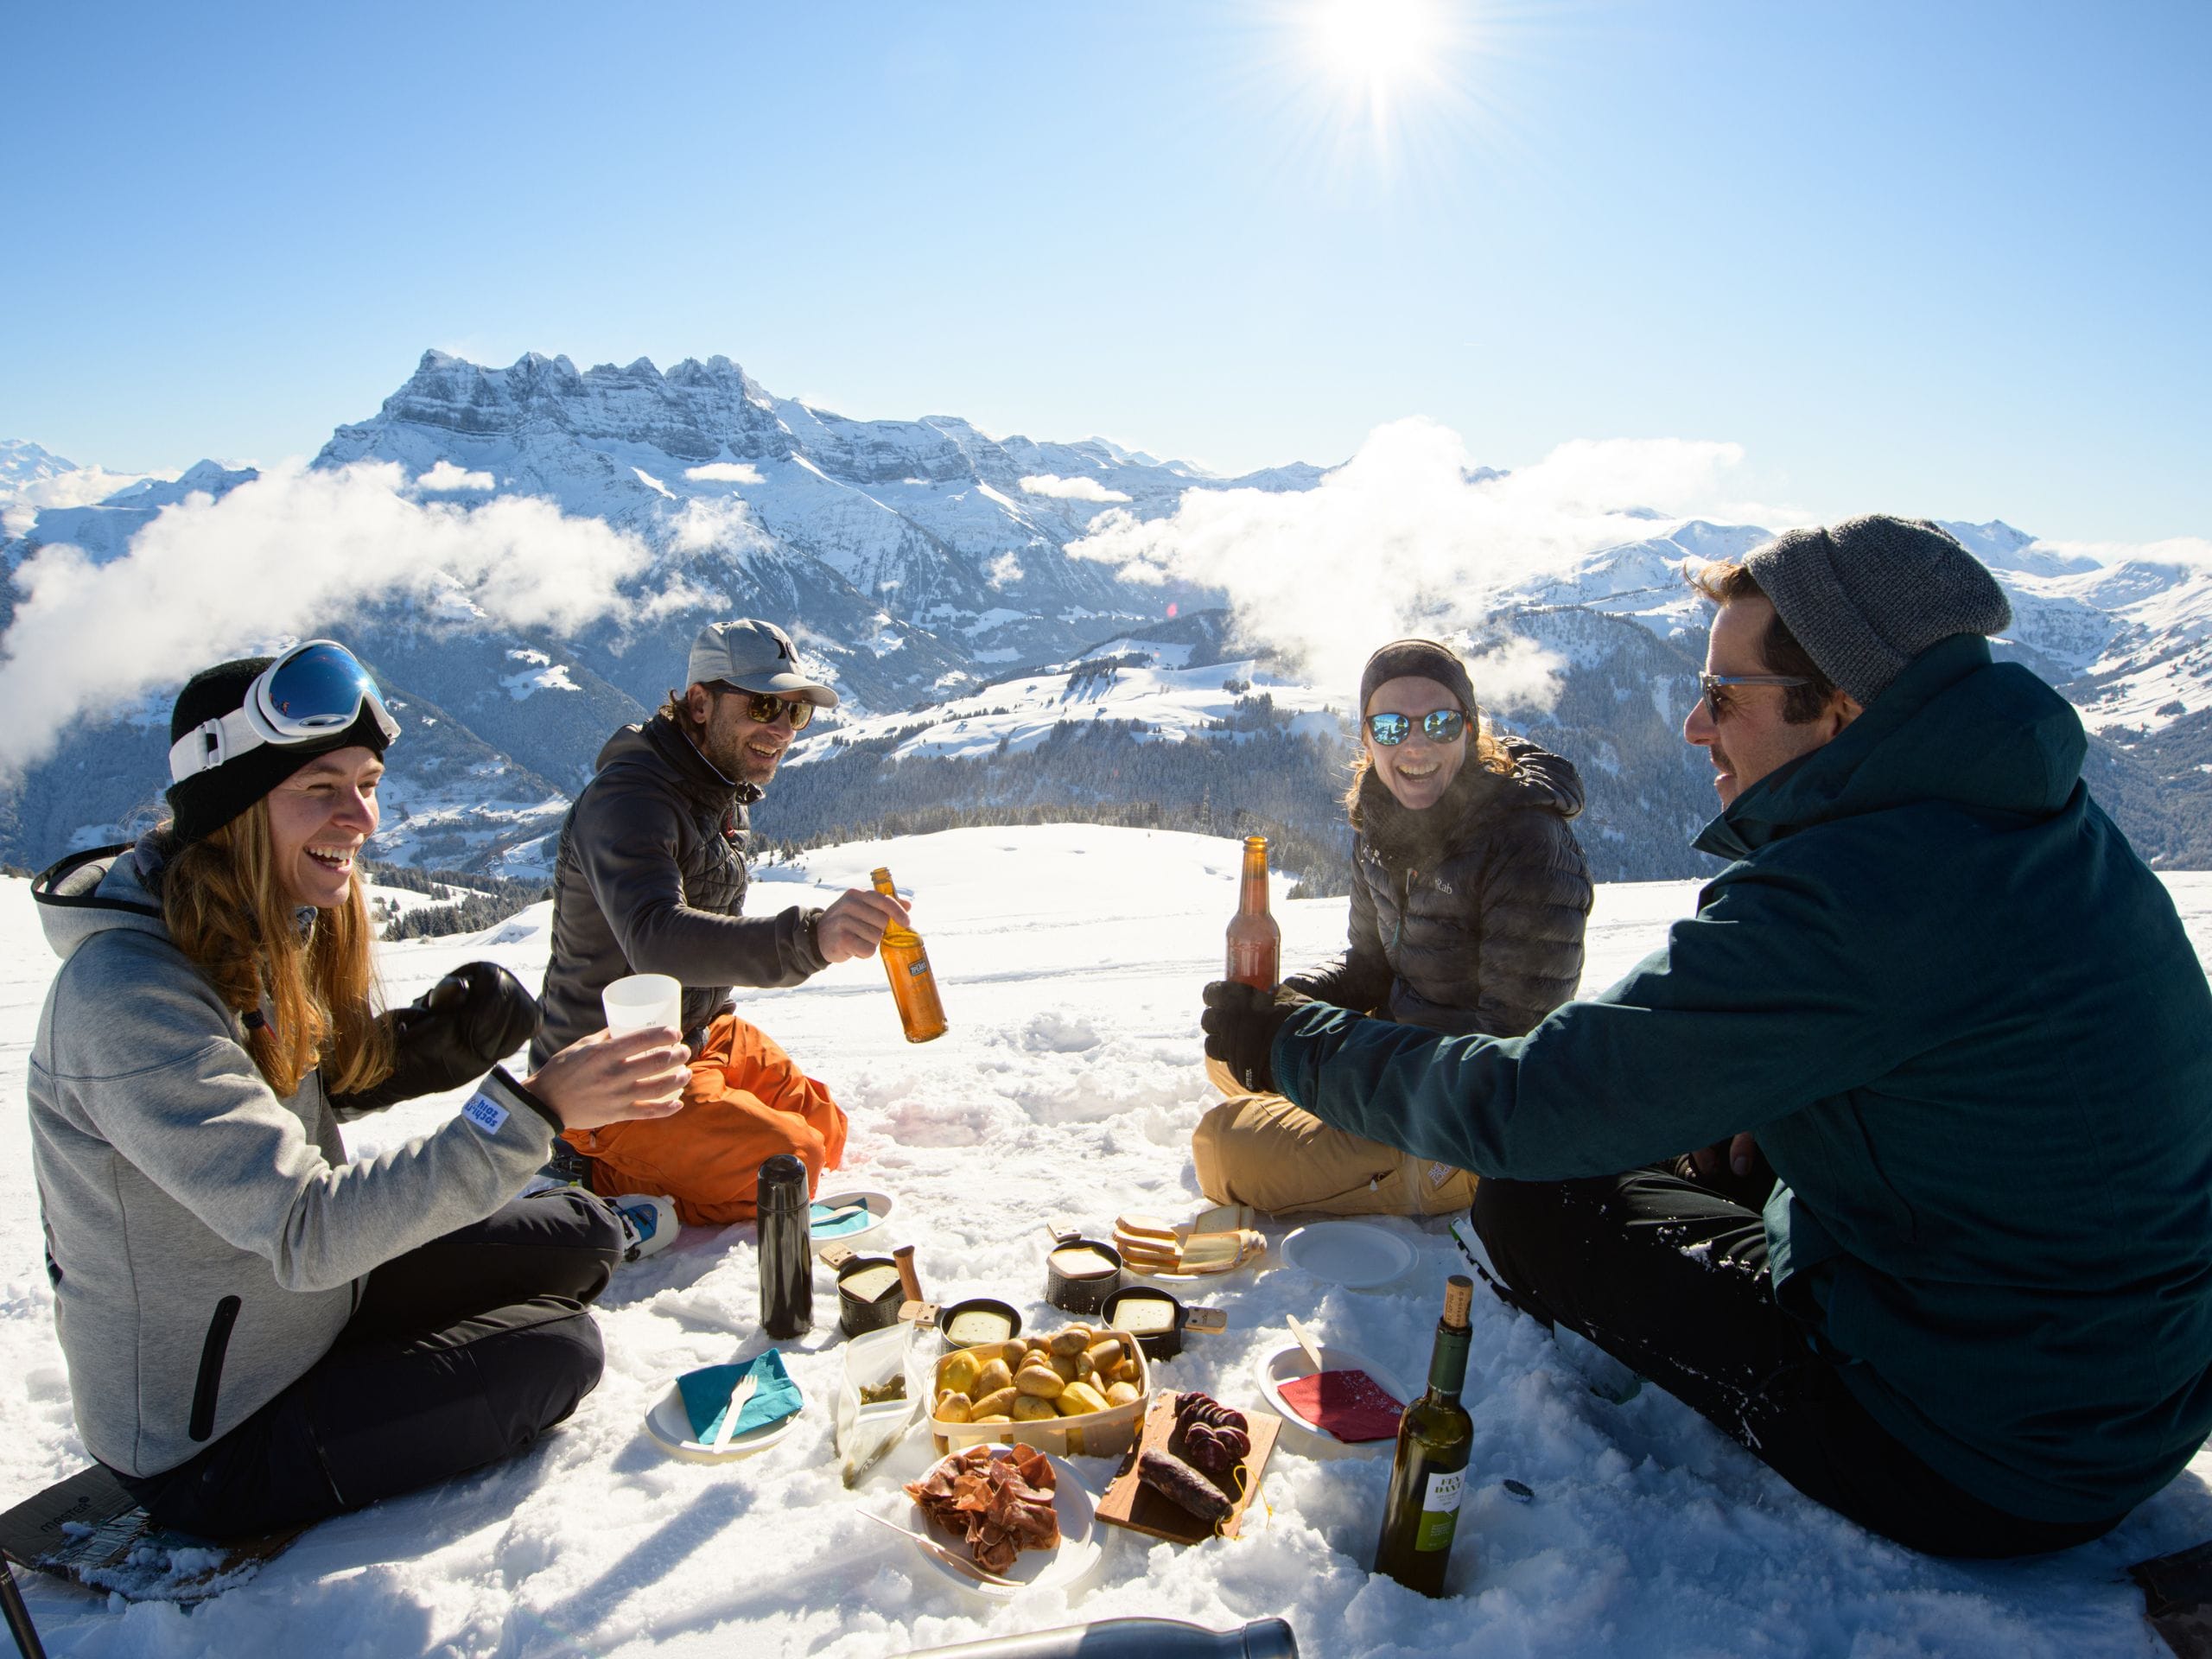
(1467, 917)
(650, 879)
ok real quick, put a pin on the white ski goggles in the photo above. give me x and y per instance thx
(310, 691)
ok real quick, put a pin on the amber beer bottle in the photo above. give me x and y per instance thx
(1434, 1437)
(913, 987)
(1254, 941)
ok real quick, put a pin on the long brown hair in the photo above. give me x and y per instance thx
(226, 910)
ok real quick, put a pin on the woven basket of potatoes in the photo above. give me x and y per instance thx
(1077, 1392)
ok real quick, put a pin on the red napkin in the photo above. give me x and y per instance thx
(1350, 1405)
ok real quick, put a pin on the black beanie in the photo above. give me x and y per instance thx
(1417, 659)
(206, 801)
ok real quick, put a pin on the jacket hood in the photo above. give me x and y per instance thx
(1955, 727)
(660, 746)
(91, 892)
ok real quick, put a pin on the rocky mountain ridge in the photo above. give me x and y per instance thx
(922, 565)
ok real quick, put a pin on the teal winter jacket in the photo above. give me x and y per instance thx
(1973, 1039)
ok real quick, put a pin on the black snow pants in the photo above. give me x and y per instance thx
(1671, 1279)
(461, 1352)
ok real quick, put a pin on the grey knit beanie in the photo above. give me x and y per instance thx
(1867, 597)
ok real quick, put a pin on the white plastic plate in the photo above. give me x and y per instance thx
(879, 1205)
(1079, 1553)
(670, 1427)
(1356, 1255)
(1287, 1364)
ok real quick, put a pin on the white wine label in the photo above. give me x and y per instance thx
(1440, 1510)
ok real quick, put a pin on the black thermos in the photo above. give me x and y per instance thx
(786, 1248)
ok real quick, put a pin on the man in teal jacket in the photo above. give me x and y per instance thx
(1965, 1025)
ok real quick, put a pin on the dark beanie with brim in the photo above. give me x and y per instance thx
(206, 801)
(1417, 659)
(1867, 597)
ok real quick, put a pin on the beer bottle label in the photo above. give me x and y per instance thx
(1440, 1510)
(920, 966)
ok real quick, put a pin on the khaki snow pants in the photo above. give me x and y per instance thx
(1261, 1150)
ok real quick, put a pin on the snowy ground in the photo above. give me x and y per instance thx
(1070, 958)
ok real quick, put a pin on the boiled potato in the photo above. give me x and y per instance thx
(1062, 1366)
(1078, 1398)
(1028, 1408)
(994, 1405)
(1039, 1380)
(959, 1372)
(1073, 1340)
(989, 1380)
(1085, 1367)
(1106, 1354)
(1122, 1394)
(1013, 1351)
(953, 1407)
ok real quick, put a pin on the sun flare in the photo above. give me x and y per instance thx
(1374, 40)
(1377, 70)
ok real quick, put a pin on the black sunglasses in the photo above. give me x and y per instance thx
(1713, 688)
(765, 706)
(1443, 726)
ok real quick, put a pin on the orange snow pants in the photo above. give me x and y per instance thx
(746, 1100)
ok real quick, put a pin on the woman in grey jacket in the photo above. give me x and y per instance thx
(260, 1333)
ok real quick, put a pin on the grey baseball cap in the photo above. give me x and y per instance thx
(753, 655)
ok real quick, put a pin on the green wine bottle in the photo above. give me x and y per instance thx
(1434, 1435)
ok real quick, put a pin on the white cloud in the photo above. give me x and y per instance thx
(1070, 489)
(703, 526)
(285, 552)
(1398, 540)
(82, 487)
(445, 476)
(1005, 568)
(725, 472)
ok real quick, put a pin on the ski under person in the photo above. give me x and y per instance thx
(1963, 1021)
(260, 1331)
(1468, 901)
(651, 879)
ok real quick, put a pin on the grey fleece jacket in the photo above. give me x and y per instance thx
(207, 1240)
(651, 879)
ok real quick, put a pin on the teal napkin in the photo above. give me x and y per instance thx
(818, 1222)
(706, 1396)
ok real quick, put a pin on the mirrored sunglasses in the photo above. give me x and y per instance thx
(1443, 726)
(765, 707)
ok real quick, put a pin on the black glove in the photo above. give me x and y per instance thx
(452, 1034)
(1240, 1023)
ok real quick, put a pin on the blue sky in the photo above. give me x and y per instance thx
(1947, 258)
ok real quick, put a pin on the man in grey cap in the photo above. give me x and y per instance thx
(1970, 1304)
(651, 879)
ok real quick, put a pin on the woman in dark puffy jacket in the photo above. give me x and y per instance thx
(1470, 894)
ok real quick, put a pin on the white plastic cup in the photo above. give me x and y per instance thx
(643, 1001)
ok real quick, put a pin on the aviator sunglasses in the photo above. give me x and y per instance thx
(1443, 726)
(765, 706)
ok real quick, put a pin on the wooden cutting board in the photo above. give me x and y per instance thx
(1129, 1502)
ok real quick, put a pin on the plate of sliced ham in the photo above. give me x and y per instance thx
(1021, 1515)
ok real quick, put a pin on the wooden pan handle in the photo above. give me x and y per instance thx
(909, 1280)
